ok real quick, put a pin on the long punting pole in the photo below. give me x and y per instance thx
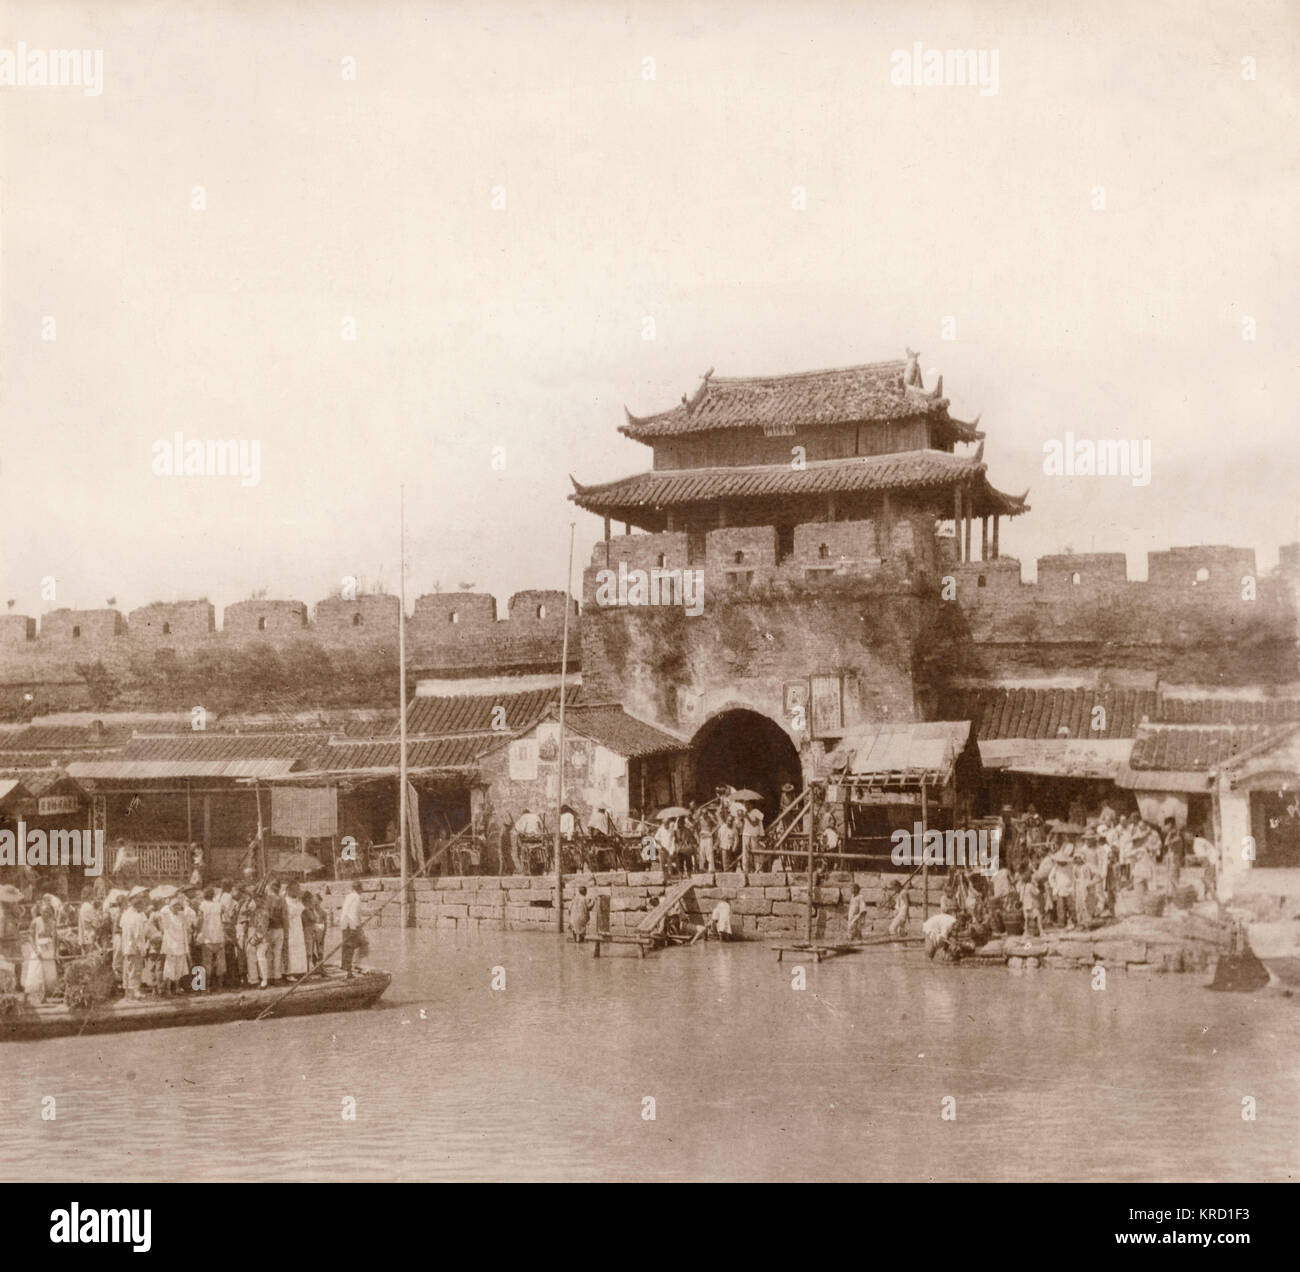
(559, 784)
(401, 683)
(810, 824)
(925, 869)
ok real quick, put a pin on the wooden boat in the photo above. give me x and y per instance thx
(20, 1020)
(1277, 945)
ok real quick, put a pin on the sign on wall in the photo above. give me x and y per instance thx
(795, 698)
(827, 714)
(523, 760)
(57, 805)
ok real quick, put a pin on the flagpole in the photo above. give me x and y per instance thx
(401, 682)
(559, 784)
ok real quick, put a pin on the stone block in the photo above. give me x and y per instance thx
(447, 925)
(730, 879)
(485, 912)
(1120, 951)
(789, 909)
(651, 878)
(448, 883)
(752, 905)
(516, 881)
(611, 878)
(777, 894)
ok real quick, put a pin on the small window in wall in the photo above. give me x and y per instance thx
(167, 629)
(739, 557)
(454, 616)
(1202, 575)
(541, 611)
(1076, 578)
(356, 620)
(784, 543)
(823, 551)
(76, 631)
(981, 581)
(261, 624)
(661, 559)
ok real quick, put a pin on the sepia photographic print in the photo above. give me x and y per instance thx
(650, 592)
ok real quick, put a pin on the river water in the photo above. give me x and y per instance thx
(750, 1078)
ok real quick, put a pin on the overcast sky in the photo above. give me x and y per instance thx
(626, 197)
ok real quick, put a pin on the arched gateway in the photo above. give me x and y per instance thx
(740, 748)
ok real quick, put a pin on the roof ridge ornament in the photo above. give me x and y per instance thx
(912, 371)
(693, 403)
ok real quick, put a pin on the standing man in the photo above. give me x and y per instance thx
(751, 836)
(857, 912)
(135, 944)
(579, 913)
(350, 925)
(275, 927)
(212, 940)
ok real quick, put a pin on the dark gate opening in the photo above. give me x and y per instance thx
(745, 749)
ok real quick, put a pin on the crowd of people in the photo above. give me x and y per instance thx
(255, 933)
(1064, 875)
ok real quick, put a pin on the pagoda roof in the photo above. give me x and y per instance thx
(874, 391)
(906, 470)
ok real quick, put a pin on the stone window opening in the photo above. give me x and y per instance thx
(76, 632)
(1202, 575)
(739, 557)
(661, 559)
(167, 629)
(541, 611)
(454, 616)
(981, 581)
(1076, 578)
(823, 551)
(356, 620)
(261, 624)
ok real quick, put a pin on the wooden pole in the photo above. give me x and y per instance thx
(401, 688)
(956, 520)
(809, 825)
(559, 776)
(996, 520)
(925, 869)
(984, 538)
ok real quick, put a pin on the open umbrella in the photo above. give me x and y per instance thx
(114, 894)
(9, 893)
(745, 795)
(163, 891)
(137, 891)
(667, 814)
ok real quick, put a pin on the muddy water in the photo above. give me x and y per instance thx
(549, 1077)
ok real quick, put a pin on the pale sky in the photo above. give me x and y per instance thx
(626, 198)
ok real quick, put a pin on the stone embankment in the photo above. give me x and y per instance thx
(773, 905)
(762, 905)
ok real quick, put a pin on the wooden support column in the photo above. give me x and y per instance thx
(607, 540)
(984, 538)
(966, 555)
(956, 519)
(627, 527)
(996, 520)
(672, 522)
(207, 825)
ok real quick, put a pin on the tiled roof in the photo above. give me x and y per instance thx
(291, 746)
(458, 752)
(1229, 711)
(477, 713)
(873, 391)
(61, 737)
(1191, 749)
(1040, 713)
(29, 760)
(35, 781)
(612, 727)
(905, 470)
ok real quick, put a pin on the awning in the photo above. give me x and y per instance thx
(151, 770)
(1099, 759)
(1193, 782)
(902, 754)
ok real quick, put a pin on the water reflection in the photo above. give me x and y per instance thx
(751, 1079)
